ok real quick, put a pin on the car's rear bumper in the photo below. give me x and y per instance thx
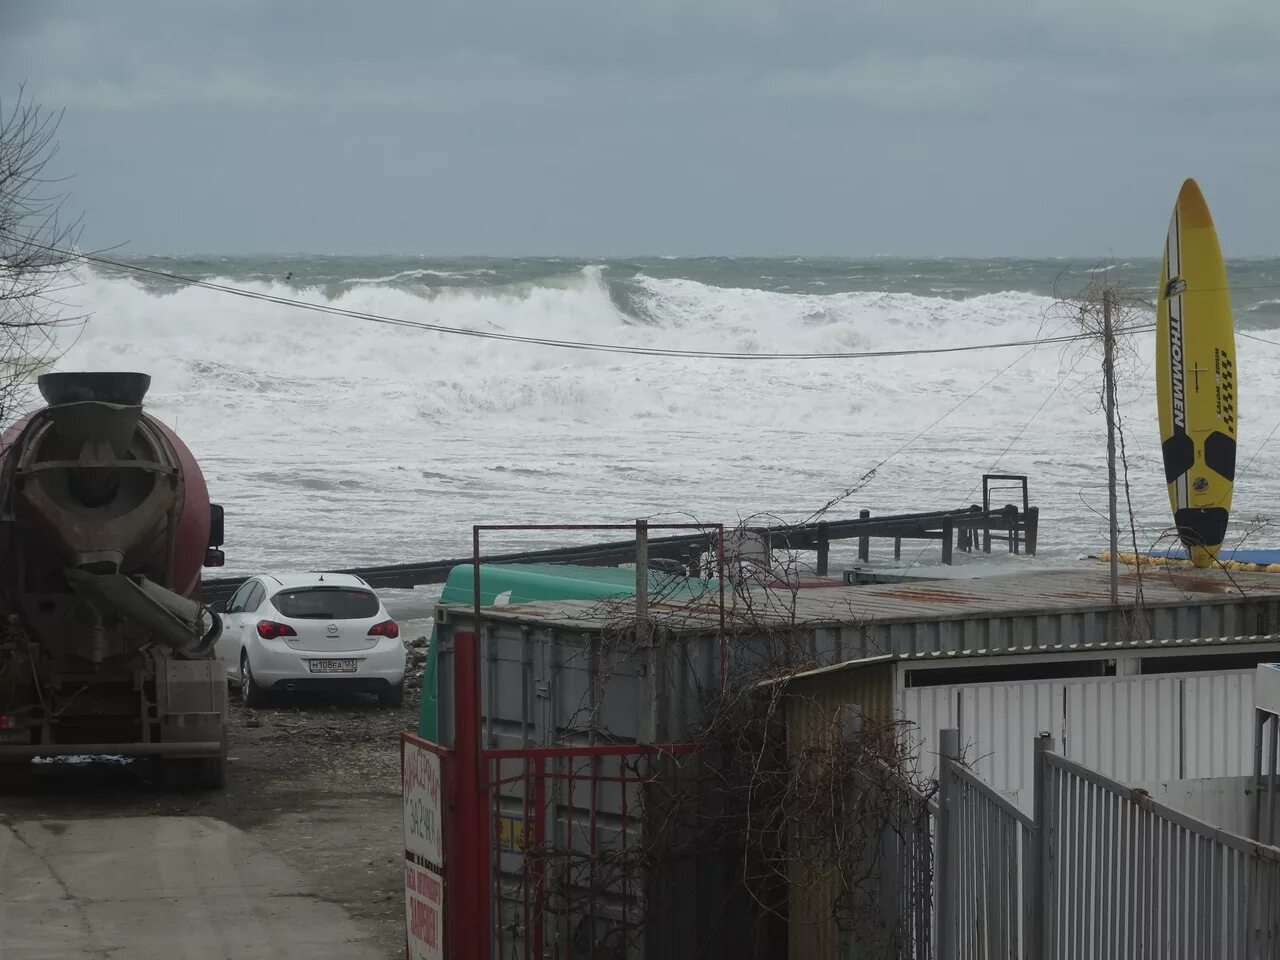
(342, 683)
(378, 668)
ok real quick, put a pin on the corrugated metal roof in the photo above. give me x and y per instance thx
(950, 655)
(1023, 595)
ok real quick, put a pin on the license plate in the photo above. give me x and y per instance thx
(332, 666)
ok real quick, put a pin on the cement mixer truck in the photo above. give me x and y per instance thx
(105, 527)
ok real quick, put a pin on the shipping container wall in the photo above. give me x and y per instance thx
(543, 686)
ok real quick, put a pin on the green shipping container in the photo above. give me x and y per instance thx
(510, 584)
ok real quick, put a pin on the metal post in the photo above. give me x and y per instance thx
(864, 542)
(694, 562)
(644, 633)
(1272, 757)
(1033, 524)
(475, 575)
(824, 547)
(724, 639)
(642, 573)
(1259, 728)
(948, 868)
(475, 830)
(986, 513)
(948, 536)
(1042, 868)
(1109, 382)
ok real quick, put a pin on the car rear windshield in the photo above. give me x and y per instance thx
(326, 603)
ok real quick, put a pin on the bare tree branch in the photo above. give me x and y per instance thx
(36, 248)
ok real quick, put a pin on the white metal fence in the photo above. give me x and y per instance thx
(1101, 871)
(1125, 876)
(986, 869)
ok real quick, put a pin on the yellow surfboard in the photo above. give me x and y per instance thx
(1196, 378)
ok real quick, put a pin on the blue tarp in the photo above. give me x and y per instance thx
(1239, 554)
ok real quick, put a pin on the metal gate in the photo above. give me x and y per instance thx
(1101, 870)
(546, 852)
(582, 863)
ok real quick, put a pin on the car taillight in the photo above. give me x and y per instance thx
(269, 630)
(387, 628)
(6, 722)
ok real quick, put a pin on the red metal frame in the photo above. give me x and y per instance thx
(474, 784)
(474, 778)
(535, 767)
(471, 794)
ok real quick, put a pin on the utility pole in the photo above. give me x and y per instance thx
(1109, 387)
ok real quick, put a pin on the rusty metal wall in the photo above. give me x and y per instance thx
(1240, 617)
(1016, 615)
(817, 716)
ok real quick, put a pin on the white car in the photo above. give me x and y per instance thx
(310, 631)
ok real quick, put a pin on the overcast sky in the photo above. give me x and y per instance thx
(597, 127)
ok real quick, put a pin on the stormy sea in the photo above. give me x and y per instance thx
(335, 441)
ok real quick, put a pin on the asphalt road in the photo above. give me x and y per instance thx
(159, 888)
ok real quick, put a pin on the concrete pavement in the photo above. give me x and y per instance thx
(159, 888)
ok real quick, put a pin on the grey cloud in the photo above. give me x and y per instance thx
(715, 126)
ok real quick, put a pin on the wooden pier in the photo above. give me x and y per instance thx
(968, 529)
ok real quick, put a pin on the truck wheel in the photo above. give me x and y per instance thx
(211, 773)
(251, 695)
(392, 696)
(193, 773)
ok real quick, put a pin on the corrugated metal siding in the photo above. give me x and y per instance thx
(929, 709)
(542, 686)
(1127, 728)
(813, 717)
(1146, 729)
(981, 632)
(987, 613)
(998, 724)
(1218, 724)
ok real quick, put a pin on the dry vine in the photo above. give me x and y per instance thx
(789, 805)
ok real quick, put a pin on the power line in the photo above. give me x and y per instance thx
(1242, 472)
(330, 310)
(1250, 336)
(870, 474)
(1018, 436)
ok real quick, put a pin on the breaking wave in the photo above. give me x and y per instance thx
(339, 440)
